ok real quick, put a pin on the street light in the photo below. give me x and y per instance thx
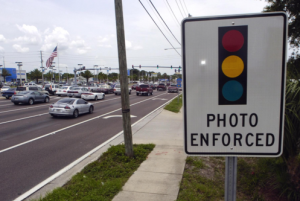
(172, 48)
(95, 66)
(19, 64)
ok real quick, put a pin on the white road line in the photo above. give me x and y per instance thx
(65, 128)
(71, 165)
(5, 122)
(111, 116)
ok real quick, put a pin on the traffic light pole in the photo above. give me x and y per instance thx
(123, 78)
(230, 178)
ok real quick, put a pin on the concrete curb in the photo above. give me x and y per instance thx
(65, 177)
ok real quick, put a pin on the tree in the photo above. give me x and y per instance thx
(35, 75)
(292, 8)
(102, 76)
(87, 74)
(5, 74)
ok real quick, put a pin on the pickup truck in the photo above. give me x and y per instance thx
(173, 88)
(161, 87)
(144, 89)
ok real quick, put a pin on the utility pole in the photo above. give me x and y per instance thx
(42, 68)
(123, 79)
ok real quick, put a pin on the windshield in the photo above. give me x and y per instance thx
(5, 87)
(77, 88)
(66, 100)
(144, 86)
(65, 88)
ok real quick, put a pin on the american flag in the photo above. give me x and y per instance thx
(51, 58)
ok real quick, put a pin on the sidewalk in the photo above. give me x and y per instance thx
(158, 178)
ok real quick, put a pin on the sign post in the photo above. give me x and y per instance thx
(234, 87)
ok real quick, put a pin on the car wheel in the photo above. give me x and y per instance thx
(7, 97)
(30, 102)
(70, 96)
(137, 94)
(96, 98)
(16, 103)
(46, 100)
(53, 115)
(59, 95)
(129, 92)
(103, 96)
(75, 114)
(54, 93)
(148, 94)
(91, 110)
(151, 93)
(116, 94)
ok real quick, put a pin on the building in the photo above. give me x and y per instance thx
(15, 75)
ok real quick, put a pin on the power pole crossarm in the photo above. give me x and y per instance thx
(123, 78)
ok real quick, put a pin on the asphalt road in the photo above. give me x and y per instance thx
(34, 146)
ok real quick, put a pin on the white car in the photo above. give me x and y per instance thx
(4, 88)
(63, 91)
(77, 91)
(117, 90)
(92, 95)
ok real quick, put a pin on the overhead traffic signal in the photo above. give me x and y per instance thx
(175, 70)
(140, 66)
(233, 45)
(157, 66)
(132, 66)
(171, 67)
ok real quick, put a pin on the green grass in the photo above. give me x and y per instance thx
(175, 105)
(258, 179)
(104, 178)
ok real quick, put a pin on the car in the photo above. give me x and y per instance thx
(173, 88)
(134, 86)
(4, 88)
(162, 87)
(144, 89)
(63, 91)
(92, 95)
(52, 88)
(77, 91)
(107, 89)
(153, 86)
(32, 84)
(9, 93)
(31, 88)
(117, 90)
(70, 107)
(29, 97)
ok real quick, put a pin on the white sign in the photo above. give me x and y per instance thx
(234, 84)
(153, 74)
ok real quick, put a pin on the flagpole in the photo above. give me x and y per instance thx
(58, 63)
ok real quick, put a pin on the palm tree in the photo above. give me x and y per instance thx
(5, 74)
(35, 74)
(87, 74)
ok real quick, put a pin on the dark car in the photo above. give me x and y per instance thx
(29, 97)
(161, 87)
(173, 88)
(9, 93)
(152, 86)
(107, 89)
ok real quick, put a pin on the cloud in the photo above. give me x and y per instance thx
(58, 36)
(28, 29)
(2, 38)
(80, 45)
(19, 48)
(1, 48)
(104, 41)
(28, 40)
(129, 46)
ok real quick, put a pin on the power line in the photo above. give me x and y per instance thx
(159, 28)
(182, 7)
(164, 22)
(185, 6)
(179, 8)
(172, 12)
(178, 25)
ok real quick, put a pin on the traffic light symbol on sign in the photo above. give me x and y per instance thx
(233, 45)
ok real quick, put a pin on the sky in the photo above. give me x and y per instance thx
(85, 31)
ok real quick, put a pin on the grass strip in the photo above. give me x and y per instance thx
(103, 178)
(175, 105)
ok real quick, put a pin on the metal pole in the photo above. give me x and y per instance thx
(123, 79)
(230, 178)
(42, 69)
(75, 79)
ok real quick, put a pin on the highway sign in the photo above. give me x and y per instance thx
(234, 84)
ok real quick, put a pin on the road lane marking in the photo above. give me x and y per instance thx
(74, 163)
(107, 117)
(65, 128)
(5, 122)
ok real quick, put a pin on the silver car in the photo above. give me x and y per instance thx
(70, 107)
(117, 90)
(29, 97)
